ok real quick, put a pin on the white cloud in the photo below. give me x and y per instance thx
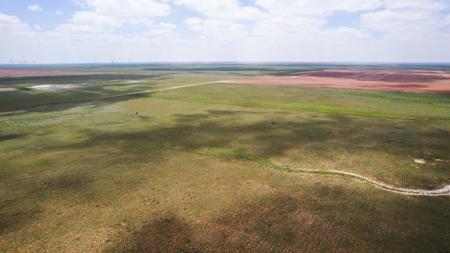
(88, 21)
(315, 8)
(297, 30)
(306, 16)
(227, 30)
(194, 23)
(426, 5)
(128, 8)
(10, 25)
(272, 20)
(168, 25)
(35, 8)
(219, 30)
(407, 19)
(222, 9)
(349, 32)
(59, 13)
(105, 16)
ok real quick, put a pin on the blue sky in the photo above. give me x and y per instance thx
(47, 18)
(224, 30)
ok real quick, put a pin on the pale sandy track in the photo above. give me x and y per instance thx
(445, 191)
(162, 89)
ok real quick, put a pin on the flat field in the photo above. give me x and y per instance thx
(189, 159)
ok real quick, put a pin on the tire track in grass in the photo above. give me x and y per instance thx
(160, 89)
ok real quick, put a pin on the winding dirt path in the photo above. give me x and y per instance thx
(445, 191)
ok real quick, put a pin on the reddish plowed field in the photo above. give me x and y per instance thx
(408, 81)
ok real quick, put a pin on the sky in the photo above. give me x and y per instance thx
(90, 31)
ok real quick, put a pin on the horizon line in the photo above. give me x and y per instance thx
(232, 62)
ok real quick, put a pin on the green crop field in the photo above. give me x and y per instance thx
(218, 167)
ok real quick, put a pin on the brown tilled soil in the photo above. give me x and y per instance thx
(407, 81)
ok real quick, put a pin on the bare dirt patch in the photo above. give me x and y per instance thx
(407, 81)
(7, 89)
(54, 87)
(124, 81)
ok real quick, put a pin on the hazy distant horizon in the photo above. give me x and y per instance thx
(35, 63)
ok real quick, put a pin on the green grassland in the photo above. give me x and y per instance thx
(88, 88)
(200, 169)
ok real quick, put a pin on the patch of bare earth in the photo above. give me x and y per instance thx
(54, 87)
(7, 89)
(398, 80)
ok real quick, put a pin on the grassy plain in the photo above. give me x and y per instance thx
(189, 170)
